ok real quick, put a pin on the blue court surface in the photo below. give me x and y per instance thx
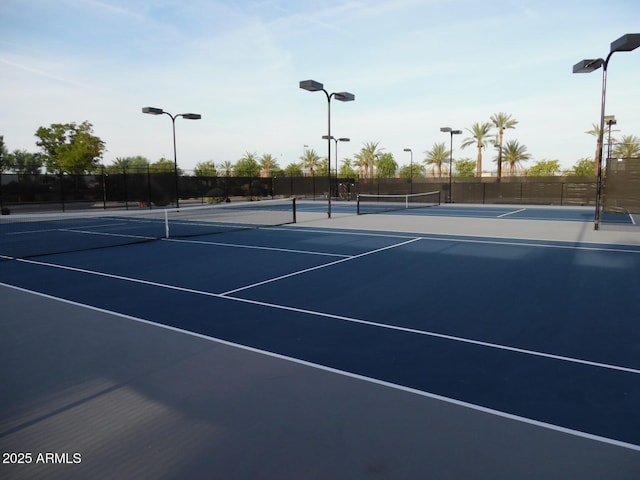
(543, 334)
(514, 212)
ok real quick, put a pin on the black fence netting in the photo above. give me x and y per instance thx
(621, 186)
(118, 190)
(621, 189)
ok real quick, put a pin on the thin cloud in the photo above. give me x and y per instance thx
(42, 73)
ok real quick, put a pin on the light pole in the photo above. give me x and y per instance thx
(625, 43)
(188, 116)
(343, 139)
(451, 133)
(313, 86)
(410, 170)
(609, 120)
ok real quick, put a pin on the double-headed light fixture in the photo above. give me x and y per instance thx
(343, 139)
(626, 43)
(188, 116)
(451, 133)
(313, 86)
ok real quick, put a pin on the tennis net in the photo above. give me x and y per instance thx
(23, 236)
(372, 203)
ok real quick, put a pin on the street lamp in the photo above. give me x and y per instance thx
(313, 86)
(609, 120)
(625, 43)
(410, 170)
(343, 139)
(451, 133)
(188, 116)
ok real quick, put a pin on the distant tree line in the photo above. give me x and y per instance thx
(75, 149)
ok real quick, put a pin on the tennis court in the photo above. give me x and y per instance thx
(418, 345)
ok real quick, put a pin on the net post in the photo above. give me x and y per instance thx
(358, 205)
(294, 210)
(166, 223)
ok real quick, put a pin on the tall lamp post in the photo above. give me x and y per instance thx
(313, 86)
(188, 116)
(626, 43)
(451, 133)
(610, 120)
(343, 139)
(410, 170)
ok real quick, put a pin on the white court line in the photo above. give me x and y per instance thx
(465, 238)
(106, 234)
(255, 247)
(317, 267)
(394, 386)
(511, 213)
(453, 338)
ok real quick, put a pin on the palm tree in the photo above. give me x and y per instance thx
(362, 165)
(227, 168)
(268, 163)
(310, 160)
(368, 156)
(595, 131)
(502, 121)
(479, 132)
(628, 147)
(514, 154)
(437, 158)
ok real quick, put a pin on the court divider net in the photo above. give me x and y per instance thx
(372, 203)
(23, 236)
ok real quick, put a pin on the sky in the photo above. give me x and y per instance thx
(414, 66)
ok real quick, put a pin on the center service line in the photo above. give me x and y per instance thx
(511, 213)
(300, 272)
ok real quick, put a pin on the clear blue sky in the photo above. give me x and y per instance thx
(413, 65)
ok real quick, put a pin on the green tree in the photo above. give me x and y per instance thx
(367, 157)
(137, 164)
(502, 122)
(627, 147)
(4, 160)
(310, 161)
(346, 169)
(247, 166)
(323, 167)
(479, 137)
(386, 166)
(514, 155)
(164, 165)
(69, 147)
(582, 168)
(293, 170)
(545, 168)
(267, 164)
(437, 159)
(465, 167)
(406, 171)
(205, 169)
(23, 162)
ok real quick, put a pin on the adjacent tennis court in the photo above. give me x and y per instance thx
(244, 345)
